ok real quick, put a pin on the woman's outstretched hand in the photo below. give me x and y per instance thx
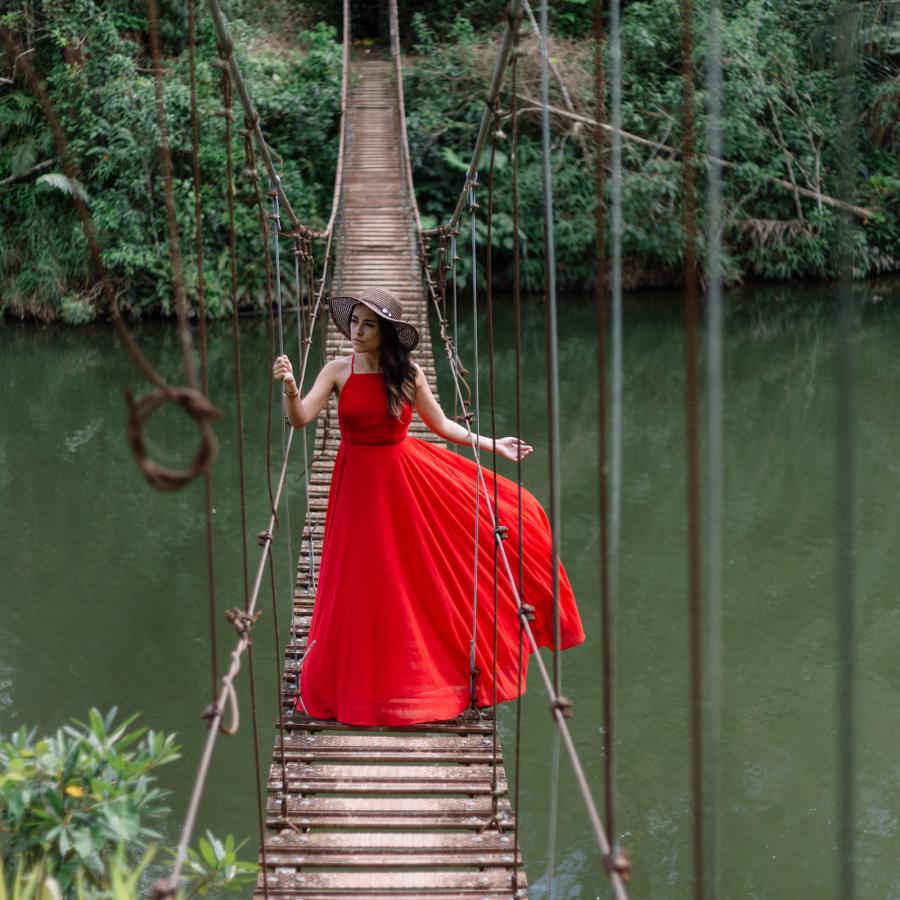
(283, 371)
(512, 448)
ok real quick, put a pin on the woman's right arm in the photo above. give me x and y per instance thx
(302, 410)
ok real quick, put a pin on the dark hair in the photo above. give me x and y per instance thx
(399, 374)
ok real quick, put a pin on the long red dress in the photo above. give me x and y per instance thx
(391, 628)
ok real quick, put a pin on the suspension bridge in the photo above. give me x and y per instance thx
(424, 810)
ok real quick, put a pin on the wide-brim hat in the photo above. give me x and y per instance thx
(383, 303)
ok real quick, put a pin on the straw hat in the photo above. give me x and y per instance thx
(382, 303)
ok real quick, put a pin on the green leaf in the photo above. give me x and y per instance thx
(58, 181)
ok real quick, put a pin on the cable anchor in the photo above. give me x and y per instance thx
(242, 621)
(618, 862)
(563, 704)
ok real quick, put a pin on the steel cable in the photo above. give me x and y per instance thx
(204, 355)
(517, 302)
(552, 421)
(692, 429)
(601, 289)
(714, 447)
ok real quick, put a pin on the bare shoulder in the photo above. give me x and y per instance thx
(339, 369)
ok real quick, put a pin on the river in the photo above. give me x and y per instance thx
(104, 585)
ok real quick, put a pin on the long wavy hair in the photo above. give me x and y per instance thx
(399, 374)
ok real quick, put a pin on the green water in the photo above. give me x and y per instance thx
(104, 595)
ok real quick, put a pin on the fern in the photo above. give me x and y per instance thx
(60, 182)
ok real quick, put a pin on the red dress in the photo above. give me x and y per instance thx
(391, 629)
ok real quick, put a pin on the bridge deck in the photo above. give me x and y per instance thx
(379, 811)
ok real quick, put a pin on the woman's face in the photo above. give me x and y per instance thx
(364, 329)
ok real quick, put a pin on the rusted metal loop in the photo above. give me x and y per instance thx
(563, 704)
(618, 862)
(242, 621)
(198, 407)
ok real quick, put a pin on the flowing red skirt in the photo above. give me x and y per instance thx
(390, 637)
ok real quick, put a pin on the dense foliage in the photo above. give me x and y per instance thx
(76, 810)
(95, 59)
(779, 124)
(781, 93)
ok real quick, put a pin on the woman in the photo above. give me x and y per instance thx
(391, 631)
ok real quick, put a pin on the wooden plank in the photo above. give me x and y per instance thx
(391, 883)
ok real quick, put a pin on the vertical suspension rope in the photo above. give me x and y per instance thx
(607, 605)
(714, 443)
(693, 441)
(184, 332)
(552, 354)
(517, 302)
(276, 634)
(846, 40)
(475, 424)
(552, 414)
(256, 770)
(204, 356)
(276, 218)
(489, 221)
(228, 117)
(253, 174)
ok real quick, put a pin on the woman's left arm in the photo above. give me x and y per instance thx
(433, 416)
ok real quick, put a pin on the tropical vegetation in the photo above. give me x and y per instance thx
(77, 810)
(779, 131)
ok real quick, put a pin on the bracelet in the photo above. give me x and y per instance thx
(290, 396)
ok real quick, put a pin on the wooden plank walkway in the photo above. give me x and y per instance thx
(379, 812)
